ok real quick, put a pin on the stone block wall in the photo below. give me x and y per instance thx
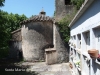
(62, 51)
(15, 48)
(36, 36)
(15, 44)
(51, 56)
(16, 35)
(62, 10)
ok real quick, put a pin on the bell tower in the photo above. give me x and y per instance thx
(62, 8)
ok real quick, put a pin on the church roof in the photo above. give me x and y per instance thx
(41, 17)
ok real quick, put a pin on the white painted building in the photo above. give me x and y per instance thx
(85, 35)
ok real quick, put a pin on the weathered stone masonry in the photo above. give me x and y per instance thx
(15, 44)
(62, 51)
(38, 34)
(63, 8)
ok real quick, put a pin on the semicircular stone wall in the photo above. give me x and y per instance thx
(36, 36)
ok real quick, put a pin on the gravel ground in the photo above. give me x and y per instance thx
(42, 69)
(33, 68)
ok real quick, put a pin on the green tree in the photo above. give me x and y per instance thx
(2, 3)
(8, 23)
(77, 3)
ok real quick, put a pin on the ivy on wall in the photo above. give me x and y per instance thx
(64, 25)
(77, 3)
(64, 29)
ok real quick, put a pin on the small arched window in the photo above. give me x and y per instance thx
(67, 2)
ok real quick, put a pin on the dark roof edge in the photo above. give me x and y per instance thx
(16, 31)
(35, 20)
(83, 8)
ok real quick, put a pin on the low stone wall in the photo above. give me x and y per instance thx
(51, 56)
(15, 44)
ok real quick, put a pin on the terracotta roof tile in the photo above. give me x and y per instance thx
(40, 17)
